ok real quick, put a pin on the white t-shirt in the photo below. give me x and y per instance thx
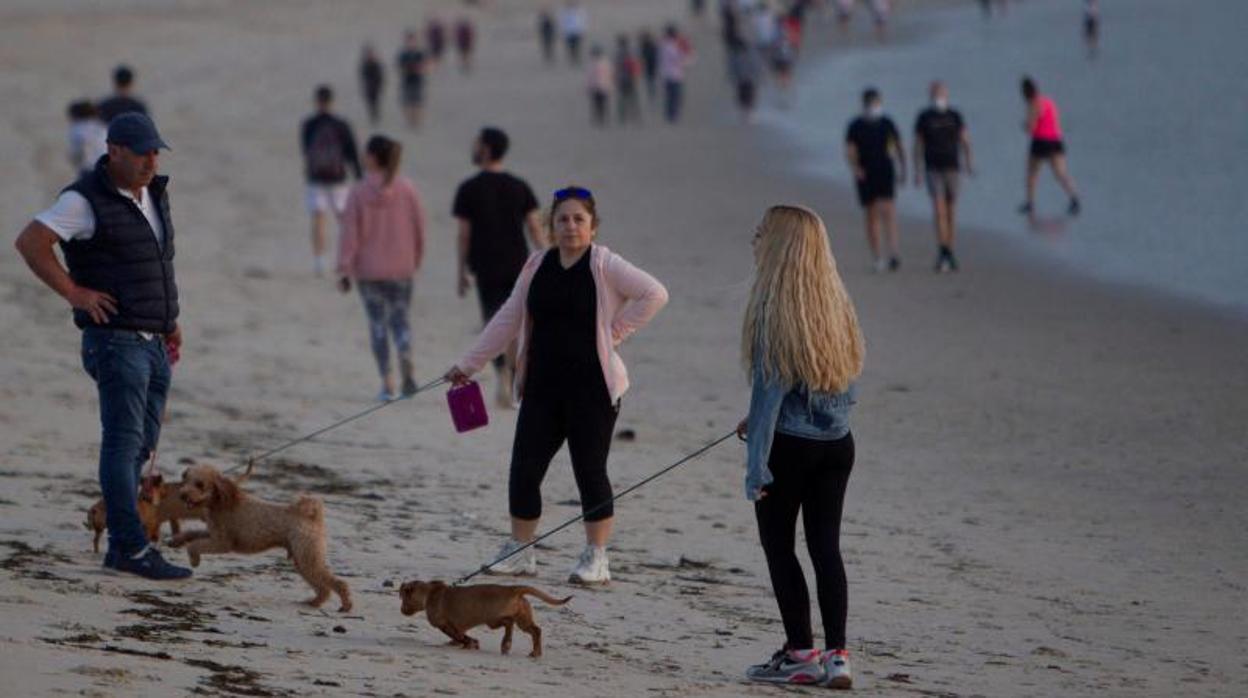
(573, 20)
(672, 60)
(71, 217)
(87, 143)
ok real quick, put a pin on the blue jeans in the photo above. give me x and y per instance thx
(673, 99)
(132, 374)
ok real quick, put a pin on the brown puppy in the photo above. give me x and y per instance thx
(456, 610)
(158, 502)
(240, 523)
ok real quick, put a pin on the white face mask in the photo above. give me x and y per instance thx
(941, 103)
(875, 111)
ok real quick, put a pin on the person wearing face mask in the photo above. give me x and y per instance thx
(872, 144)
(572, 307)
(493, 209)
(380, 246)
(941, 149)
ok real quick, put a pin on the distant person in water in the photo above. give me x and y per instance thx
(1092, 26)
(942, 151)
(1044, 125)
(872, 145)
(546, 34)
(372, 79)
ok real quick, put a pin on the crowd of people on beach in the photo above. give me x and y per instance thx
(555, 302)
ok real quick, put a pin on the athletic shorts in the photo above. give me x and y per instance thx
(942, 183)
(878, 185)
(413, 93)
(1042, 149)
(326, 198)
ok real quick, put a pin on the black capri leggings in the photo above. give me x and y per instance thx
(809, 476)
(584, 417)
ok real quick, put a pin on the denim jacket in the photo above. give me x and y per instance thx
(795, 411)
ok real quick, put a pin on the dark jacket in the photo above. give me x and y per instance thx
(123, 258)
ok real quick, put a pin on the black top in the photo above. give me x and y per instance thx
(122, 258)
(495, 204)
(941, 131)
(119, 104)
(372, 74)
(563, 307)
(872, 138)
(412, 66)
(328, 149)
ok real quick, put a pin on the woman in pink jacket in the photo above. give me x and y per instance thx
(382, 239)
(571, 307)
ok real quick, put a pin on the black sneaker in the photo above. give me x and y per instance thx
(894, 263)
(409, 387)
(1073, 208)
(149, 565)
(110, 559)
(1026, 209)
(951, 261)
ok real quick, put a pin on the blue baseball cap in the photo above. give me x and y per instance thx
(135, 131)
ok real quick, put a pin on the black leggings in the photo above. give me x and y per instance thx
(810, 476)
(583, 416)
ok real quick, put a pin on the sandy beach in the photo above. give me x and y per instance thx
(1048, 496)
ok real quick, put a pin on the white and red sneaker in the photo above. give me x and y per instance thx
(836, 670)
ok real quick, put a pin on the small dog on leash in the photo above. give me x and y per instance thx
(158, 502)
(240, 523)
(456, 610)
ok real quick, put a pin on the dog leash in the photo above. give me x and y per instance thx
(582, 515)
(250, 462)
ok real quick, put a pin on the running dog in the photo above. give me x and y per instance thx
(240, 523)
(456, 610)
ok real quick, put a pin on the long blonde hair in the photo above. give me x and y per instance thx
(800, 322)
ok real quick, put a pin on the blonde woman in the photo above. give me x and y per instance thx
(802, 348)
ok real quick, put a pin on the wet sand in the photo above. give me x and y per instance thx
(1048, 495)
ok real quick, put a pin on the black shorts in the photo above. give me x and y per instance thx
(1044, 149)
(880, 184)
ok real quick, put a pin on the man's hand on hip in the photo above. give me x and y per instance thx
(97, 304)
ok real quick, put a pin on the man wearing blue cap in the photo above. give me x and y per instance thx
(114, 229)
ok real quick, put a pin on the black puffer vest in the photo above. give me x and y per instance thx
(123, 258)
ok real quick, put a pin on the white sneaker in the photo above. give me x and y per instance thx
(522, 564)
(836, 668)
(592, 567)
(880, 266)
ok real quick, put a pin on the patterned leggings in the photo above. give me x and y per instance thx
(387, 304)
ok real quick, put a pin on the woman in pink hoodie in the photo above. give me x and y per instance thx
(571, 306)
(382, 239)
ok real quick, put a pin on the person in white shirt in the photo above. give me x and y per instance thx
(87, 136)
(114, 227)
(674, 58)
(573, 22)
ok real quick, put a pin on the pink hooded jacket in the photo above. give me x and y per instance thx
(627, 299)
(382, 230)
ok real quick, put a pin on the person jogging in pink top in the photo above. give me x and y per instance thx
(1044, 125)
(571, 307)
(380, 247)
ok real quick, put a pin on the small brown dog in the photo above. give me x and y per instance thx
(158, 502)
(240, 523)
(456, 610)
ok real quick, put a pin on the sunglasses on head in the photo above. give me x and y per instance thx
(573, 193)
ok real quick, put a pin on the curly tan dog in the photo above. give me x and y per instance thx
(240, 523)
(456, 610)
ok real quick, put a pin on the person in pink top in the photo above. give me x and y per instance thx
(1045, 127)
(380, 246)
(571, 308)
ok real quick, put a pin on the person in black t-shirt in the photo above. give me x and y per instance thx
(493, 208)
(372, 79)
(329, 157)
(872, 143)
(122, 100)
(941, 148)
